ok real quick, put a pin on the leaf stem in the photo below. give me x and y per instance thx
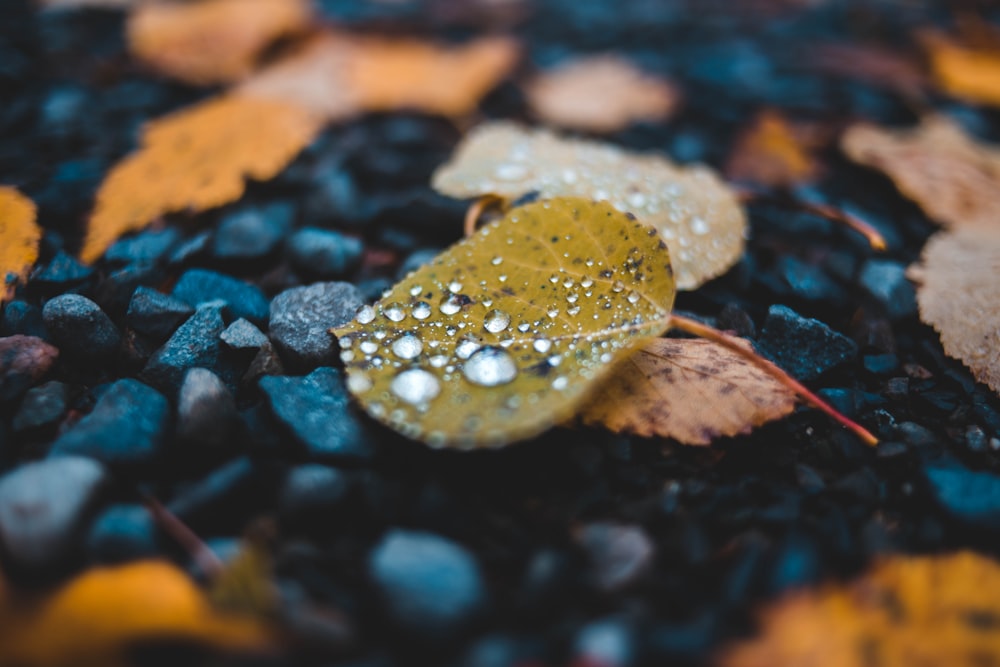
(201, 553)
(708, 333)
(476, 209)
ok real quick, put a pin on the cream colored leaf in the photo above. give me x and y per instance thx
(692, 390)
(698, 216)
(505, 334)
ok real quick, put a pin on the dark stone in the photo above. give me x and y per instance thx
(317, 410)
(148, 246)
(243, 335)
(41, 407)
(885, 281)
(253, 233)
(62, 272)
(229, 496)
(796, 564)
(43, 510)
(127, 427)
(21, 317)
(809, 479)
(190, 249)
(115, 291)
(24, 360)
(80, 328)
(195, 343)
(881, 364)
(608, 642)
(156, 315)
(968, 495)
(198, 286)
(805, 280)
(313, 495)
(301, 318)
(804, 347)
(916, 435)
(265, 362)
(323, 253)
(429, 584)
(333, 198)
(206, 410)
(123, 533)
(619, 554)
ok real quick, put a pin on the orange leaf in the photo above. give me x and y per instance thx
(968, 73)
(94, 619)
(773, 153)
(212, 41)
(600, 94)
(19, 236)
(688, 389)
(926, 610)
(197, 159)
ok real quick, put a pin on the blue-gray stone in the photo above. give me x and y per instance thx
(79, 328)
(804, 347)
(199, 286)
(301, 319)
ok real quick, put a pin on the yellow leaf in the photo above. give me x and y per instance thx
(698, 216)
(508, 331)
(969, 73)
(954, 179)
(906, 611)
(94, 619)
(19, 237)
(600, 94)
(773, 153)
(688, 389)
(196, 159)
(211, 41)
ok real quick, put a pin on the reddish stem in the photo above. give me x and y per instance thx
(201, 553)
(476, 210)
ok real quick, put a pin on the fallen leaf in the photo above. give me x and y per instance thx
(599, 94)
(19, 237)
(907, 610)
(957, 295)
(211, 41)
(698, 216)
(874, 65)
(773, 153)
(94, 620)
(506, 333)
(688, 389)
(196, 159)
(84, 4)
(968, 73)
(955, 180)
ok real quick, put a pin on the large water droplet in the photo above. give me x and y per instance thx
(699, 226)
(364, 315)
(455, 287)
(466, 347)
(369, 346)
(542, 345)
(358, 383)
(490, 367)
(415, 386)
(633, 297)
(407, 346)
(394, 312)
(415, 290)
(560, 383)
(617, 286)
(421, 310)
(451, 305)
(496, 321)
(496, 261)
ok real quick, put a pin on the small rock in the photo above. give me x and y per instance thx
(301, 318)
(198, 286)
(619, 554)
(156, 315)
(190, 249)
(43, 508)
(608, 642)
(253, 233)
(265, 362)
(228, 497)
(968, 495)
(21, 317)
(916, 435)
(317, 410)
(804, 347)
(127, 427)
(24, 360)
(123, 533)
(334, 197)
(195, 343)
(115, 291)
(311, 494)
(62, 273)
(206, 410)
(80, 328)
(429, 584)
(148, 246)
(42, 406)
(242, 335)
(886, 282)
(881, 364)
(323, 253)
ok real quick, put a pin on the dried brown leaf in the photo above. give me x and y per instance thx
(876, 66)
(211, 41)
(773, 153)
(19, 237)
(688, 389)
(600, 94)
(907, 610)
(953, 178)
(694, 211)
(196, 159)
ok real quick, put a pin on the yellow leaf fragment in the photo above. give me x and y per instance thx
(698, 216)
(955, 180)
(773, 153)
(504, 334)
(195, 159)
(19, 237)
(688, 389)
(923, 610)
(211, 41)
(957, 295)
(600, 94)
(94, 619)
(968, 73)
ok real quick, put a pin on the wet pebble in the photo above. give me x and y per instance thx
(885, 281)
(972, 496)
(80, 329)
(200, 286)
(224, 500)
(62, 272)
(242, 335)
(21, 317)
(619, 554)
(323, 253)
(804, 347)
(252, 234)
(313, 494)
(195, 343)
(206, 410)
(301, 318)
(43, 406)
(149, 246)
(24, 360)
(115, 291)
(122, 533)
(156, 315)
(608, 642)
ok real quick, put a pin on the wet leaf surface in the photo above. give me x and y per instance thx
(19, 237)
(696, 214)
(504, 334)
